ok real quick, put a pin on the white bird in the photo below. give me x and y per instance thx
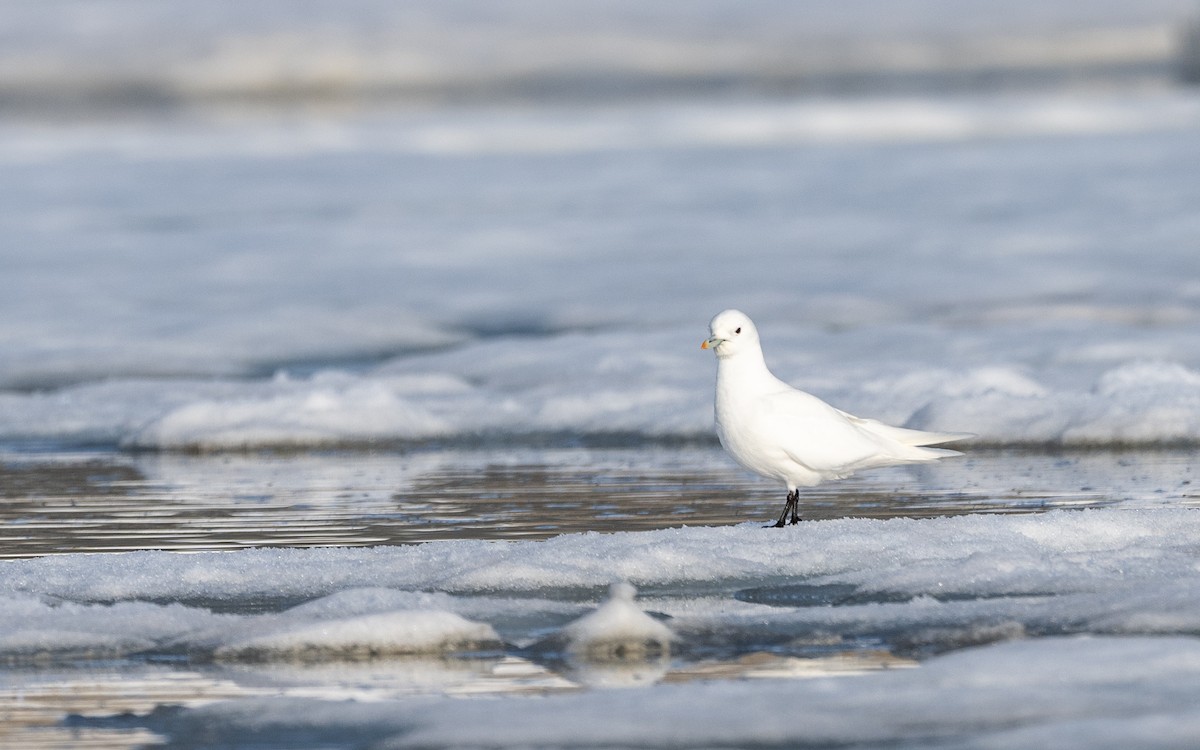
(782, 433)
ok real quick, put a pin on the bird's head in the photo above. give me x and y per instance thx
(730, 332)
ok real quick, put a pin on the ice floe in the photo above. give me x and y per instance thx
(924, 586)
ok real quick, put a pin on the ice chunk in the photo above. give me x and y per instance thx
(36, 628)
(364, 636)
(617, 630)
(352, 624)
(615, 645)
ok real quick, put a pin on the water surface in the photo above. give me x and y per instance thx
(103, 501)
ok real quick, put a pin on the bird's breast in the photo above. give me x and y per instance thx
(739, 428)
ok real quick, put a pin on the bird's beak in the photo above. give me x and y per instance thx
(711, 342)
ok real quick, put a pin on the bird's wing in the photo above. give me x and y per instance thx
(816, 435)
(906, 435)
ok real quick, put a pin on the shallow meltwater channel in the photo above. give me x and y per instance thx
(99, 502)
(734, 625)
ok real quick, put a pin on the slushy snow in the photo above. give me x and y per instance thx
(1020, 267)
(944, 582)
(1073, 629)
(618, 628)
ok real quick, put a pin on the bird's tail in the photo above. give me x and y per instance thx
(907, 436)
(934, 453)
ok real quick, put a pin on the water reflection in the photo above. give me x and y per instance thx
(120, 705)
(108, 502)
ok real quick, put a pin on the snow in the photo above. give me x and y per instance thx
(617, 628)
(34, 628)
(364, 637)
(1140, 402)
(109, 55)
(193, 287)
(1073, 628)
(945, 581)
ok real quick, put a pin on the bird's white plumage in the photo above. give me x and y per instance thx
(794, 437)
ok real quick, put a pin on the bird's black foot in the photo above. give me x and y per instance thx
(792, 506)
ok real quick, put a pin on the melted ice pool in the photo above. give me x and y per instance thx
(305, 589)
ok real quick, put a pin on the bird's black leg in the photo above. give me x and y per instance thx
(793, 500)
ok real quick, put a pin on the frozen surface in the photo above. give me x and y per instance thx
(940, 582)
(1021, 267)
(1056, 688)
(114, 55)
(618, 626)
(1083, 693)
(328, 630)
(1073, 629)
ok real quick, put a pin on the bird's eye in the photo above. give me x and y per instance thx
(738, 330)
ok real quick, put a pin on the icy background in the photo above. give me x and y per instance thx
(1014, 261)
(430, 239)
(1022, 268)
(1074, 628)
